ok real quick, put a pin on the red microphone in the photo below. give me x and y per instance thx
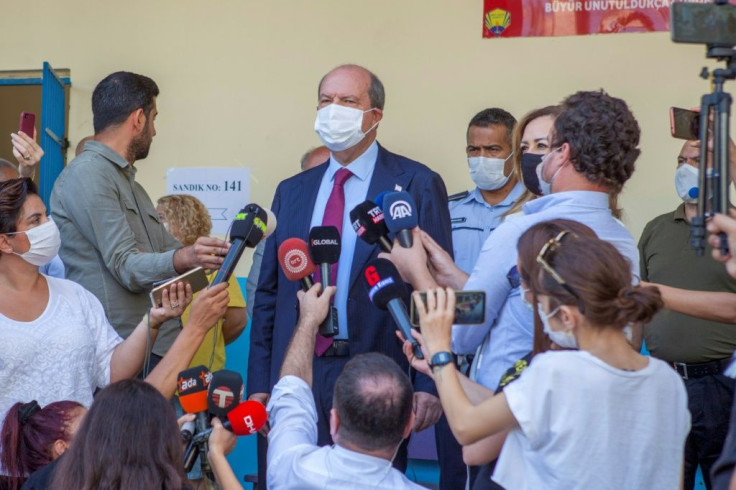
(296, 262)
(245, 419)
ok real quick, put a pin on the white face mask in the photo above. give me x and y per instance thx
(487, 173)
(544, 186)
(526, 301)
(563, 338)
(45, 242)
(340, 127)
(686, 183)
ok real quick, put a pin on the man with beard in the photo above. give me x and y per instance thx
(112, 241)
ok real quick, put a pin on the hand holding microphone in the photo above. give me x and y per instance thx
(385, 290)
(324, 247)
(251, 225)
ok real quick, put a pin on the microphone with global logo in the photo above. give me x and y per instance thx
(399, 211)
(324, 247)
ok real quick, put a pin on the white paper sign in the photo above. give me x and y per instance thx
(224, 190)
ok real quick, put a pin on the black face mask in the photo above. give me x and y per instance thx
(529, 163)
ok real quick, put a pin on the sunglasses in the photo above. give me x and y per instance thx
(552, 245)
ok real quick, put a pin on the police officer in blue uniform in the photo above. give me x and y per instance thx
(474, 215)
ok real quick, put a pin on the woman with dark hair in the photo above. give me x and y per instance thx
(32, 436)
(129, 439)
(583, 418)
(56, 341)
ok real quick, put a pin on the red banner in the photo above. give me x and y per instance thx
(514, 18)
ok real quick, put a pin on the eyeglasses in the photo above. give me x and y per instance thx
(551, 245)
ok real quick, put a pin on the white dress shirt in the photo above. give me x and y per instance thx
(296, 461)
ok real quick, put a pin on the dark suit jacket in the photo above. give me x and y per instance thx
(369, 329)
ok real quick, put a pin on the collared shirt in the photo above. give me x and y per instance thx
(296, 461)
(112, 241)
(509, 322)
(356, 189)
(667, 258)
(473, 219)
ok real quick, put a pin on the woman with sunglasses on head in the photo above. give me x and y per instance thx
(599, 417)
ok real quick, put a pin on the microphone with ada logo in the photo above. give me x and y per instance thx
(295, 261)
(369, 225)
(385, 290)
(399, 211)
(324, 246)
(251, 225)
(192, 385)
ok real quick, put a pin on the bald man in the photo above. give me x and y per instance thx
(349, 110)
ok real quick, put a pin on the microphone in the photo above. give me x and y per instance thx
(385, 290)
(324, 246)
(192, 386)
(250, 226)
(379, 198)
(244, 419)
(400, 215)
(368, 223)
(224, 393)
(295, 261)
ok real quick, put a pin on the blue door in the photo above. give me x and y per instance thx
(53, 130)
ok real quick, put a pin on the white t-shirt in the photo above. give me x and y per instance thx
(586, 424)
(64, 354)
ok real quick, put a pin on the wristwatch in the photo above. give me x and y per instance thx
(441, 359)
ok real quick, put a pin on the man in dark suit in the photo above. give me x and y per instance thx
(350, 107)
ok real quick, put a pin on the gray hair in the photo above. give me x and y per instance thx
(376, 92)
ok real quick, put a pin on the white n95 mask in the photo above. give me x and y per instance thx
(340, 127)
(487, 173)
(45, 242)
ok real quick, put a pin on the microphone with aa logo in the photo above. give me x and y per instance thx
(295, 262)
(369, 225)
(224, 393)
(385, 290)
(399, 211)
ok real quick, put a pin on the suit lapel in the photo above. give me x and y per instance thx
(302, 202)
(386, 177)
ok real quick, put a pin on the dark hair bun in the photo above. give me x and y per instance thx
(637, 304)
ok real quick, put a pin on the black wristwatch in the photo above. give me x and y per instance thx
(441, 359)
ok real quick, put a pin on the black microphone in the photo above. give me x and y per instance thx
(250, 226)
(324, 247)
(385, 290)
(224, 393)
(368, 223)
(399, 210)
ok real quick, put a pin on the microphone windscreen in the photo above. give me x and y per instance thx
(249, 225)
(383, 282)
(399, 211)
(324, 244)
(294, 258)
(225, 392)
(247, 418)
(271, 222)
(379, 198)
(192, 385)
(367, 221)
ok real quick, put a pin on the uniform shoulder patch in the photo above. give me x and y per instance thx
(458, 196)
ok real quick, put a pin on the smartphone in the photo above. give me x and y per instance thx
(684, 123)
(470, 308)
(27, 122)
(703, 23)
(196, 278)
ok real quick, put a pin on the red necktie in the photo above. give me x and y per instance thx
(333, 216)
